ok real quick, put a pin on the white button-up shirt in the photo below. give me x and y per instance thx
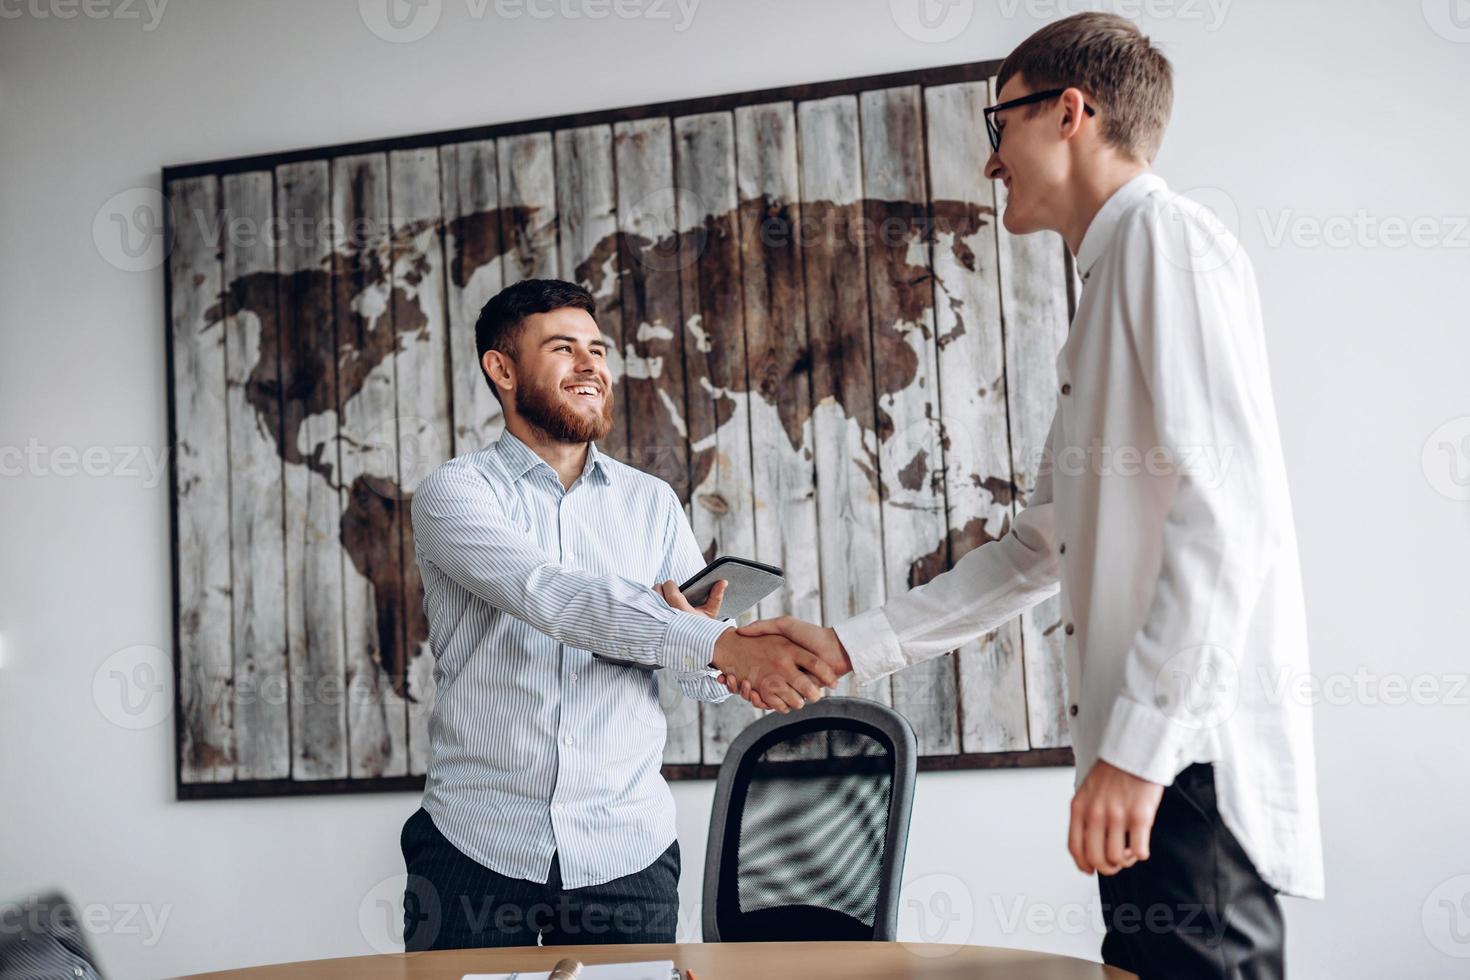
(1161, 512)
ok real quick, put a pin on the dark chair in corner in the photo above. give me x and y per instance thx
(42, 939)
(809, 826)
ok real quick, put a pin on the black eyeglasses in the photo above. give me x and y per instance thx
(994, 131)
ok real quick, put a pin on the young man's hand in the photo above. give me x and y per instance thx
(781, 674)
(711, 608)
(1112, 816)
(819, 640)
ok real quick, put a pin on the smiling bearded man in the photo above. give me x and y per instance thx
(545, 816)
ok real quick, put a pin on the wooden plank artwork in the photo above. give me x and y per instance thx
(972, 383)
(818, 334)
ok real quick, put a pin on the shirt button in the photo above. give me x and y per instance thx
(569, 740)
(1071, 629)
(1067, 389)
(1063, 549)
(574, 678)
(1072, 711)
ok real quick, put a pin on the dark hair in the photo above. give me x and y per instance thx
(1110, 60)
(500, 321)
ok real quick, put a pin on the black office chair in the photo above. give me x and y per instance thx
(42, 939)
(811, 849)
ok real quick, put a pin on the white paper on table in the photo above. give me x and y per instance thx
(660, 970)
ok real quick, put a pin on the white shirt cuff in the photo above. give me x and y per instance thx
(1146, 742)
(871, 645)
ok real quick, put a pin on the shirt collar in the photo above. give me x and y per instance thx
(520, 458)
(1099, 234)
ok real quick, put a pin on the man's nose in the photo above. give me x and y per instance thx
(993, 168)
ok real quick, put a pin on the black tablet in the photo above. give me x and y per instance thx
(750, 582)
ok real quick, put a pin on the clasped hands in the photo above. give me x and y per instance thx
(776, 664)
(783, 663)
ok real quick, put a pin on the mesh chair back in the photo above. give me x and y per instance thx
(41, 938)
(810, 826)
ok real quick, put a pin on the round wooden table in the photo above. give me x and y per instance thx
(709, 961)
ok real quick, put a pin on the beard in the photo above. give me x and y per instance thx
(545, 407)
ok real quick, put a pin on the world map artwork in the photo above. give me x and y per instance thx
(818, 335)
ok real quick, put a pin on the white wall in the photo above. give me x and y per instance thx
(1285, 112)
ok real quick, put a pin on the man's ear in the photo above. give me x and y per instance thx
(501, 370)
(1071, 103)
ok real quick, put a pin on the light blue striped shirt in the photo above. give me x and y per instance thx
(537, 747)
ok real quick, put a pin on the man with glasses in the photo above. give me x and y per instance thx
(1180, 590)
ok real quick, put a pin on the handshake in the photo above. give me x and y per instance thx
(780, 664)
(776, 664)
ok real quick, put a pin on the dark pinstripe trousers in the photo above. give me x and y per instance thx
(453, 902)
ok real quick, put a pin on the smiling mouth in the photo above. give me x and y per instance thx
(590, 392)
